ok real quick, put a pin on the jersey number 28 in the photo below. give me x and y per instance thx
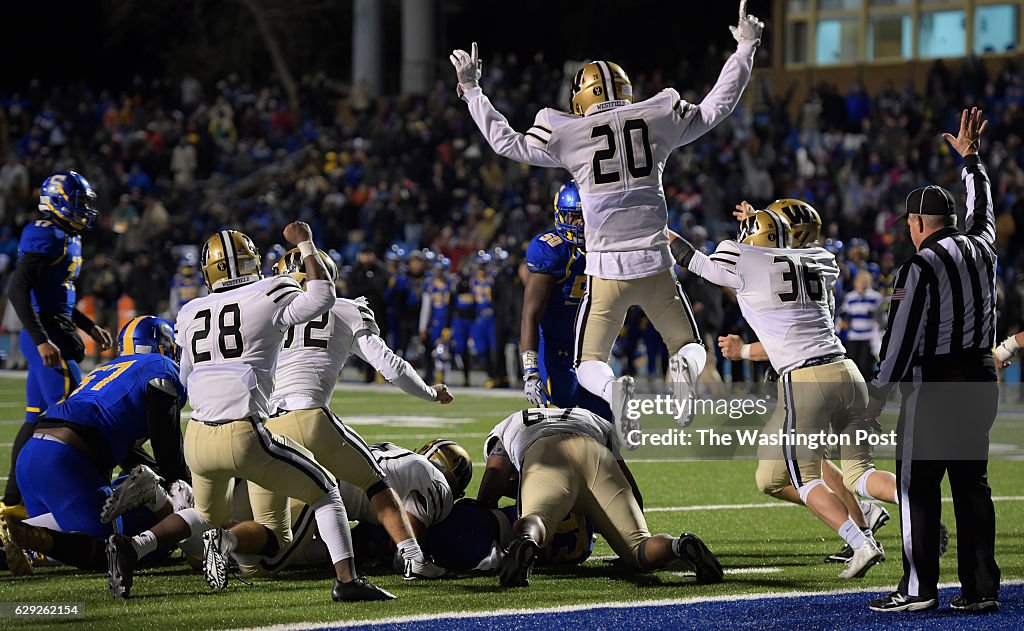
(229, 334)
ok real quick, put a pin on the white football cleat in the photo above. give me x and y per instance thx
(875, 515)
(216, 553)
(864, 558)
(683, 369)
(423, 569)
(624, 390)
(141, 487)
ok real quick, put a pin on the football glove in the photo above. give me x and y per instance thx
(749, 27)
(468, 68)
(1006, 351)
(533, 386)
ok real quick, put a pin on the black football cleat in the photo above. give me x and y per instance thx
(977, 605)
(121, 560)
(901, 602)
(358, 590)
(692, 550)
(518, 562)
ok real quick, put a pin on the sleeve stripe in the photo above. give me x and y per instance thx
(533, 135)
(281, 297)
(542, 128)
(723, 261)
(725, 252)
(280, 286)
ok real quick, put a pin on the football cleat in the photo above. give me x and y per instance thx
(518, 562)
(121, 560)
(876, 517)
(901, 602)
(142, 485)
(864, 558)
(621, 396)
(423, 569)
(216, 553)
(181, 496)
(14, 510)
(683, 379)
(17, 560)
(977, 605)
(691, 550)
(358, 590)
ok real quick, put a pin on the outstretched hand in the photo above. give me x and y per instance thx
(968, 139)
(743, 210)
(749, 27)
(468, 66)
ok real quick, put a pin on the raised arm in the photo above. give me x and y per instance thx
(981, 221)
(302, 306)
(505, 141)
(695, 261)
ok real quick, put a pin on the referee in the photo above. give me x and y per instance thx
(938, 349)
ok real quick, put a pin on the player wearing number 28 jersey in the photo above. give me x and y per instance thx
(616, 151)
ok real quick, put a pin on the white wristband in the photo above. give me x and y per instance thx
(745, 351)
(306, 248)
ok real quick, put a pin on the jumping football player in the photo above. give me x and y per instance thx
(616, 151)
(313, 356)
(786, 297)
(42, 292)
(65, 467)
(556, 284)
(561, 460)
(231, 340)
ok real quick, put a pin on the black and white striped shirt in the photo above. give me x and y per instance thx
(944, 297)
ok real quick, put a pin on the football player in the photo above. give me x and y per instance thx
(482, 332)
(555, 285)
(616, 151)
(231, 340)
(186, 284)
(313, 356)
(786, 297)
(461, 314)
(434, 332)
(42, 292)
(561, 460)
(66, 466)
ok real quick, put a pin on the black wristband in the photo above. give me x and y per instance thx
(682, 251)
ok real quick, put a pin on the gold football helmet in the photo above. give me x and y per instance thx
(766, 229)
(291, 263)
(452, 460)
(229, 259)
(804, 221)
(599, 82)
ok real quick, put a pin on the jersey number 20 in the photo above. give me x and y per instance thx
(629, 129)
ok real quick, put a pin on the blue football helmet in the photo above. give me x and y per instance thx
(67, 199)
(148, 334)
(567, 204)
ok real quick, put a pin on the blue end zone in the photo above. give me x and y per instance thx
(826, 611)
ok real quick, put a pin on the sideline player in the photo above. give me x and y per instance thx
(555, 285)
(616, 151)
(231, 340)
(42, 292)
(313, 355)
(567, 460)
(66, 466)
(786, 296)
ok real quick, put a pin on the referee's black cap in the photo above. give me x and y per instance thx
(930, 200)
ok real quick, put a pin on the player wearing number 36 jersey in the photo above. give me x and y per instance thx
(616, 151)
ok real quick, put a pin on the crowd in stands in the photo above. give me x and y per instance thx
(173, 160)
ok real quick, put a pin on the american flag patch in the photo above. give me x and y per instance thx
(899, 294)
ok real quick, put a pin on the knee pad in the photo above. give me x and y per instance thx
(806, 489)
(861, 485)
(197, 524)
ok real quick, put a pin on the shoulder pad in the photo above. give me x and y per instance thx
(41, 237)
(356, 315)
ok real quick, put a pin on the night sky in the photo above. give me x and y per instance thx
(70, 41)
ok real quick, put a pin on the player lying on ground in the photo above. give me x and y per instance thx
(65, 467)
(313, 356)
(786, 297)
(552, 293)
(231, 340)
(562, 460)
(616, 151)
(426, 482)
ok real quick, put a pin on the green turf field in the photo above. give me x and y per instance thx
(771, 547)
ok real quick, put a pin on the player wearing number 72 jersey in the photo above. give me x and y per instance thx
(616, 151)
(230, 343)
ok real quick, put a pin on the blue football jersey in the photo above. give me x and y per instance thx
(483, 289)
(112, 399)
(550, 254)
(55, 291)
(439, 291)
(188, 287)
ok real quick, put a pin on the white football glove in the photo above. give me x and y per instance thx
(1006, 351)
(749, 27)
(533, 386)
(468, 68)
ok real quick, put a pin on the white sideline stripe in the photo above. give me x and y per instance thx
(585, 607)
(728, 570)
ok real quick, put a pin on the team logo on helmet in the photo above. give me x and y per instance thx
(229, 259)
(804, 220)
(599, 82)
(766, 229)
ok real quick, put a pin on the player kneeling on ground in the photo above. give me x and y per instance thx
(567, 460)
(65, 467)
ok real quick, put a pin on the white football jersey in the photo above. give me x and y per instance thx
(230, 341)
(616, 154)
(785, 295)
(513, 436)
(422, 488)
(315, 352)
